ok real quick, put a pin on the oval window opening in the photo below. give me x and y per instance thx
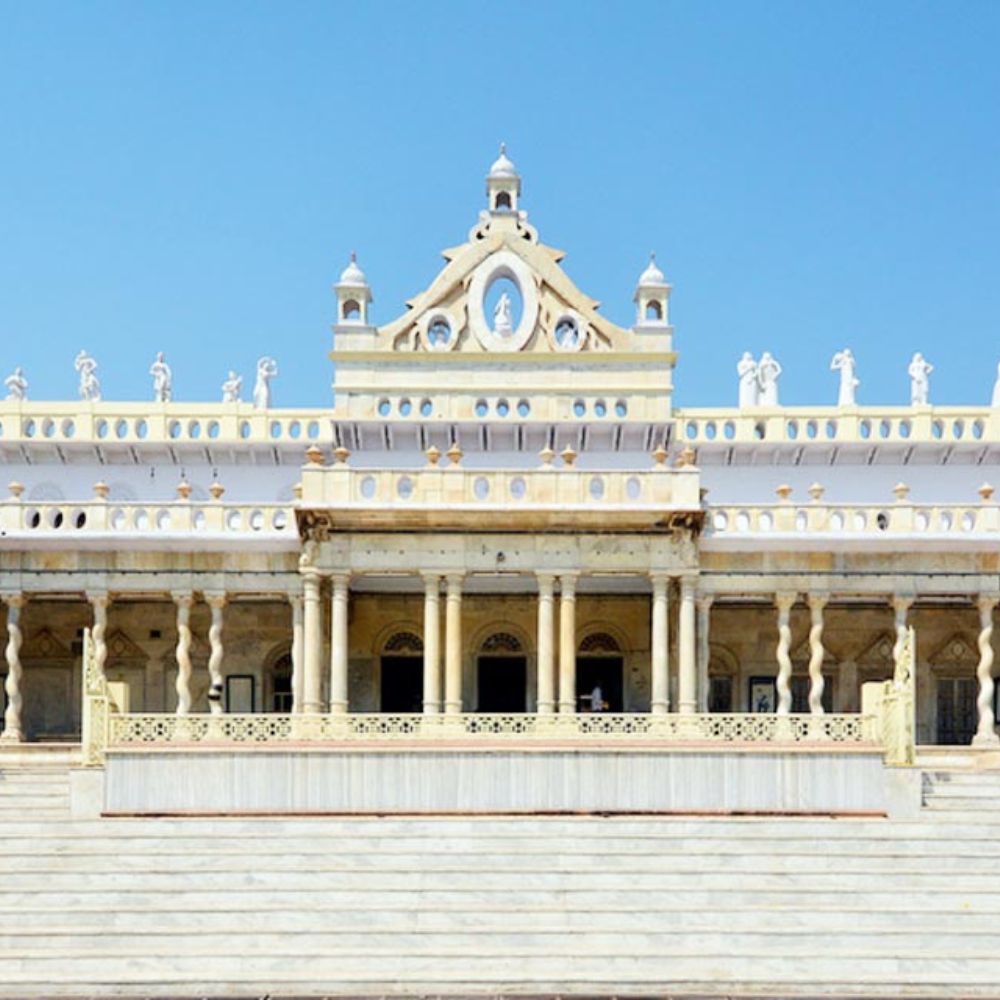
(503, 306)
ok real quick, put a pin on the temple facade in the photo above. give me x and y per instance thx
(501, 517)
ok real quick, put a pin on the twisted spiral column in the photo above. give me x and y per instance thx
(98, 632)
(183, 652)
(12, 732)
(901, 669)
(216, 602)
(784, 603)
(985, 732)
(817, 603)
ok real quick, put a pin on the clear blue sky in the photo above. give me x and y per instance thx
(192, 176)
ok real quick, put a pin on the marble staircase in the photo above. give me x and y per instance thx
(533, 905)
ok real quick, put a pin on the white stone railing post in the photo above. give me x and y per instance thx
(659, 636)
(546, 652)
(12, 727)
(567, 643)
(986, 734)
(217, 604)
(817, 602)
(183, 600)
(784, 603)
(687, 693)
(432, 643)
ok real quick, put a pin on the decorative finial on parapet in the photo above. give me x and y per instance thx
(17, 385)
(341, 455)
(660, 456)
(568, 456)
(217, 490)
(433, 457)
(547, 455)
(784, 493)
(455, 454)
(920, 383)
(16, 489)
(184, 490)
(314, 455)
(101, 490)
(687, 458)
(843, 362)
(986, 492)
(816, 492)
(902, 492)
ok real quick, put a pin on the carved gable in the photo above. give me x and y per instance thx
(878, 653)
(44, 645)
(122, 650)
(957, 652)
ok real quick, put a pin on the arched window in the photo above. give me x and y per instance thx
(502, 202)
(404, 642)
(352, 310)
(502, 642)
(599, 643)
(654, 310)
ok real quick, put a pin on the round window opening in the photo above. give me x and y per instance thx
(503, 306)
(439, 332)
(568, 333)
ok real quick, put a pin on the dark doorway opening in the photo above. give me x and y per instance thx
(503, 683)
(604, 672)
(402, 684)
(956, 710)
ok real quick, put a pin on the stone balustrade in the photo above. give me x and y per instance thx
(109, 423)
(893, 520)
(24, 520)
(131, 730)
(342, 487)
(856, 425)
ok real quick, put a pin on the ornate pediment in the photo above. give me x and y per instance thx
(539, 309)
(44, 645)
(878, 653)
(958, 651)
(121, 649)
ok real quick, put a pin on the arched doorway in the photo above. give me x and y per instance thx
(402, 671)
(600, 667)
(502, 675)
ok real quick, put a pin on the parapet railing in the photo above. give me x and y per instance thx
(340, 485)
(847, 425)
(159, 423)
(890, 520)
(26, 518)
(134, 730)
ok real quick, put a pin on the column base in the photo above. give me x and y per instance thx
(986, 740)
(431, 708)
(567, 708)
(660, 708)
(11, 736)
(338, 708)
(546, 708)
(452, 708)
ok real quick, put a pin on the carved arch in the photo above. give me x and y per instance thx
(482, 636)
(604, 628)
(382, 638)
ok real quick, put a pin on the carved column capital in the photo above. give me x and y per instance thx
(182, 598)
(215, 598)
(13, 599)
(785, 599)
(987, 603)
(98, 598)
(817, 602)
(901, 603)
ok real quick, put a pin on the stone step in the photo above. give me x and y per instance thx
(484, 942)
(260, 879)
(250, 898)
(355, 860)
(452, 970)
(66, 846)
(60, 922)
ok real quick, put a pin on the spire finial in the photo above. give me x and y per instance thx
(503, 149)
(354, 256)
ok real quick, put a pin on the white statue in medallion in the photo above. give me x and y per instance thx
(996, 389)
(843, 361)
(768, 373)
(502, 321)
(267, 369)
(746, 367)
(232, 388)
(90, 387)
(919, 372)
(17, 385)
(163, 379)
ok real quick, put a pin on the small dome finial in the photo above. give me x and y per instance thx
(652, 275)
(502, 165)
(352, 274)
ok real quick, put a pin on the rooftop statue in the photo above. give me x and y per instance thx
(996, 389)
(90, 386)
(502, 321)
(768, 373)
(162, 379)
(746, 368)
(843, 361)
(919, 372)
(267, 369)
(232, 388)
(17, 385)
